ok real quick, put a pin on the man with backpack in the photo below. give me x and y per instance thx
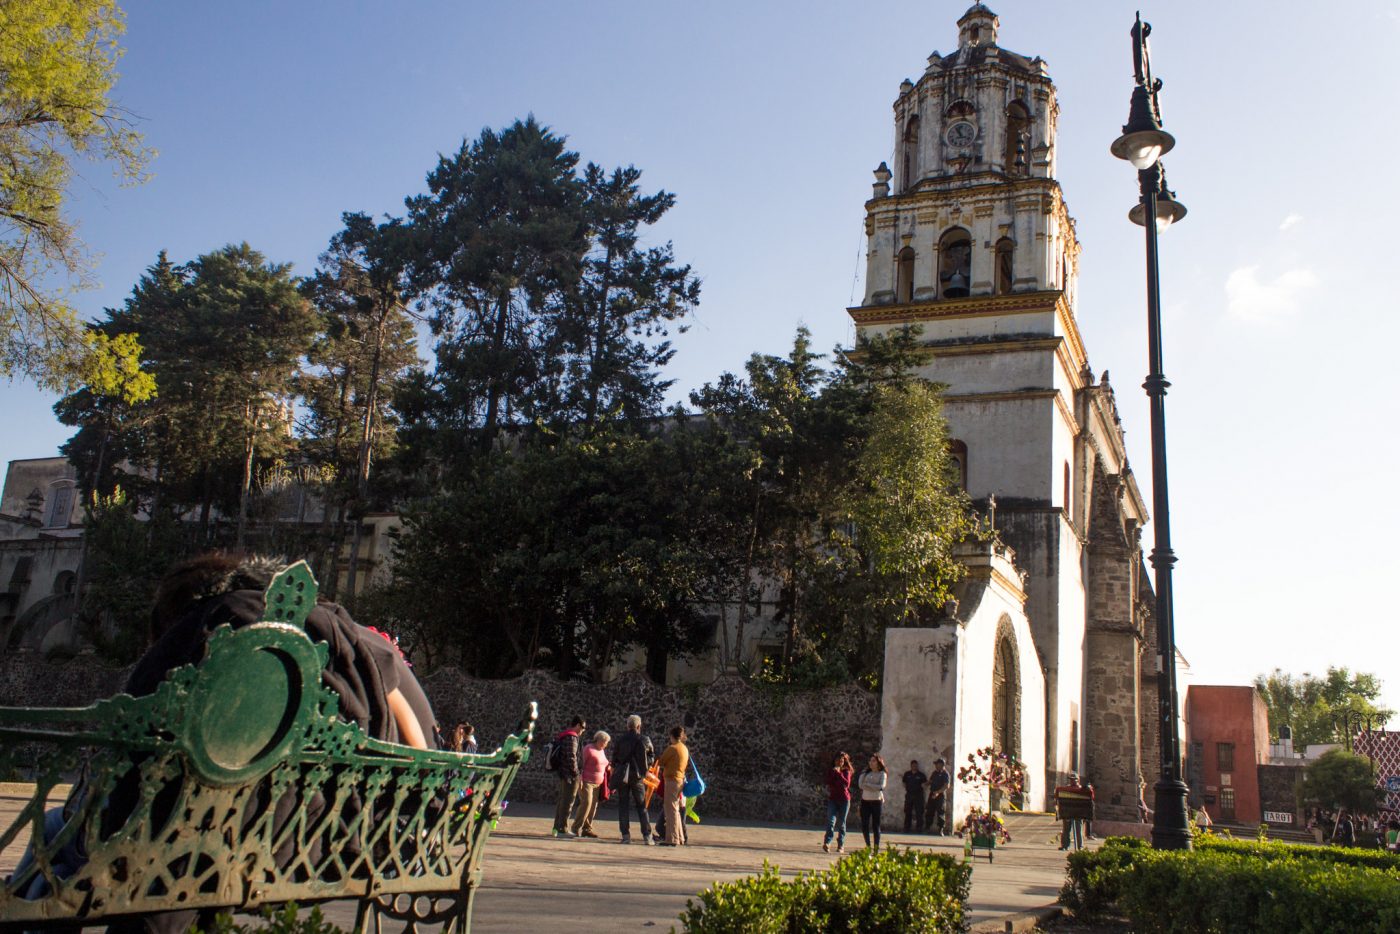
(632, 757)
(562, 760)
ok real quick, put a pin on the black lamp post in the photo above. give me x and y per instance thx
(1143, 142)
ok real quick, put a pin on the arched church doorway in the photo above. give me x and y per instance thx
(1006, 700)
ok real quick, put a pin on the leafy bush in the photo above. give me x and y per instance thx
(1092, 877)
(1235, 885)
(1274, 850)
(868, 891)
(1178, 892)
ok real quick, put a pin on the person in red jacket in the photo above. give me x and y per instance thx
(838, 801)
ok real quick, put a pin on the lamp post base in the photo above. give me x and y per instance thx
(1171, 828)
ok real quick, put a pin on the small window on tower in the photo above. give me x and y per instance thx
(1006, 266)
(1018, 139)
(910, 148)
(904, 284)
(955, 263)
(957, 462)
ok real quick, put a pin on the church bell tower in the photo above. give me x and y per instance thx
(969, 240)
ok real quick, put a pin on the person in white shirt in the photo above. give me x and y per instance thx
(872, 799)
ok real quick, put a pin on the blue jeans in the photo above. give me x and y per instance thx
(836, 812)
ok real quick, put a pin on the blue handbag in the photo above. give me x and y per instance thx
(693, 787)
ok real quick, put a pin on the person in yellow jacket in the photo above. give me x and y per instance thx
(673, 763)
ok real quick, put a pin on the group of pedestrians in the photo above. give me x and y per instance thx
(842, 782)
(588, 776)
(926, 799)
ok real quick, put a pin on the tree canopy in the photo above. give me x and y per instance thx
(57, 69)
(1315, 707)
(1340, 779)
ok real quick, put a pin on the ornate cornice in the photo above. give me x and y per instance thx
(980, 306)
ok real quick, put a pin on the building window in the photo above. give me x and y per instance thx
(64, 582)
(1225, 757)
(1227, 804)
(60, 506)
(1016, 157)
(910, 153)
(955, 263)
(19, 576)
(904, 279)
(1006, 265)
(1068, 504)
(957, 463)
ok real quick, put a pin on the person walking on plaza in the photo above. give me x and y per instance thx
(595, 765)
(838, 801)
(631, 759)
(872, 799)
(914, 782)
(1344, 834)
(565, 761)
(936, 810)
(1066, 797)
(674, 761)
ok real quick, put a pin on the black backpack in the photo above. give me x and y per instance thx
(553, 752)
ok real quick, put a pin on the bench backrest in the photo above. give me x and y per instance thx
(236, 784)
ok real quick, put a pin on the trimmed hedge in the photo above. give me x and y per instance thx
(1233, 886)
(1274, 849)
(882, 892)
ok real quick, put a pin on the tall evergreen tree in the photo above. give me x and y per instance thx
(223, 337)
(364, 347)
(606, 339)
(499, 238)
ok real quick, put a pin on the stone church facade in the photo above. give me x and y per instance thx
(970, 240)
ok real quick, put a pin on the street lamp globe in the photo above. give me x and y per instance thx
(1143, 141)
(1169, 211)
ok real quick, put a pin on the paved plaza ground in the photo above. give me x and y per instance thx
(534, 882)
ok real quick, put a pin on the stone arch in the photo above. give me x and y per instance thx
(904, 276)
(909, 150)
(60, 503)
(1015, 159)
(955, 263)
(1006, 690)
(1005, 266)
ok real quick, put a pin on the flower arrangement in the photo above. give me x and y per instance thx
(980, 823)
(989, 769)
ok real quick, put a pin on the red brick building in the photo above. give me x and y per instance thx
(1227, 730)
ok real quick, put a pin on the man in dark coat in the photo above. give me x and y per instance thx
(914, 782)
(631, 759)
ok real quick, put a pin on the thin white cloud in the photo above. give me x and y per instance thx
(1292, 220)
(1250, 298)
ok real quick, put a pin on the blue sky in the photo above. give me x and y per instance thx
(766, 119)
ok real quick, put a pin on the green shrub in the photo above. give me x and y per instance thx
(1235, 885)
(868, 891)
(1092, 877)
(1179, 892)
(1273, 850)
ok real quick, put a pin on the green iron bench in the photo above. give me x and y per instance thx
(244, 789)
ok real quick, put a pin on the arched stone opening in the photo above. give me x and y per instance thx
(1006, 698)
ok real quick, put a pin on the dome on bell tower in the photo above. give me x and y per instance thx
(978, 27)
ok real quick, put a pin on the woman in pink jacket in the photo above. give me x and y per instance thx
(592, 771)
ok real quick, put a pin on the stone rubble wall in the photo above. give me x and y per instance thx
(763, 753)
